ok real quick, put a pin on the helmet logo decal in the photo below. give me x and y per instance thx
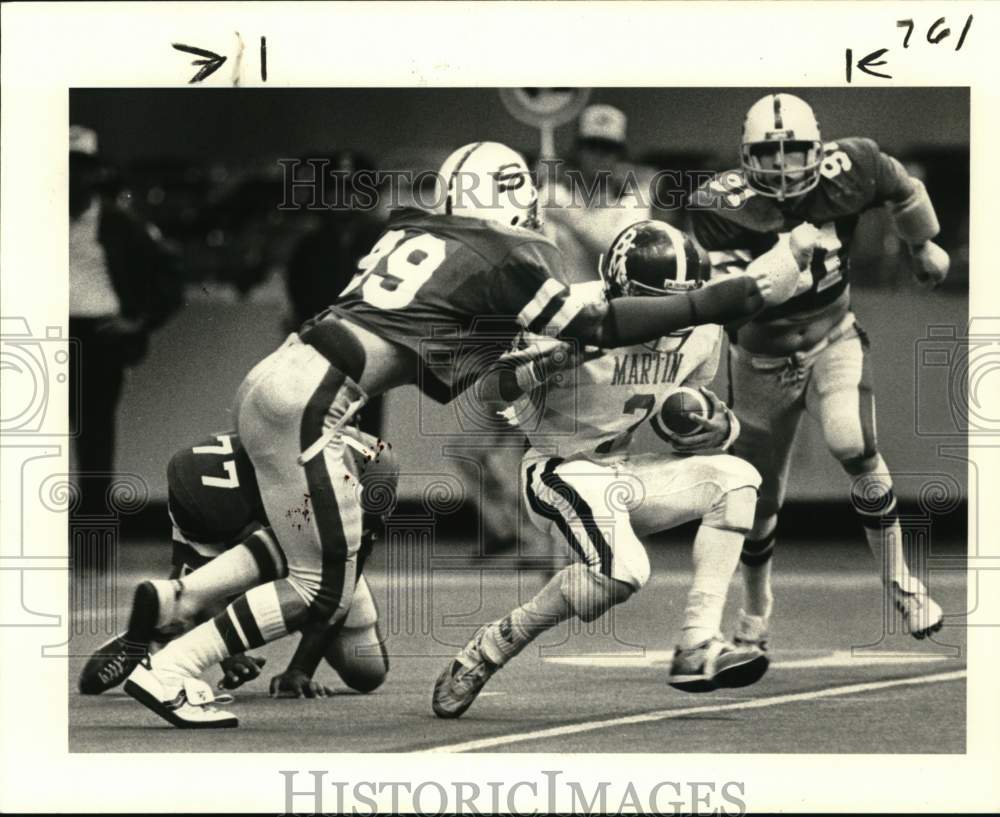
(510, 177)
(619, 255)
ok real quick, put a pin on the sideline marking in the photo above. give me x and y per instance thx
(668, 714)
(830, 660)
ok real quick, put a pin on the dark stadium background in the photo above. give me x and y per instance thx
(202, 165)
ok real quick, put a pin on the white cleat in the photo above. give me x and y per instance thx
(922, 616)
(188, 706)
(752, 631)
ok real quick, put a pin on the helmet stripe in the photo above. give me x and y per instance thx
(778, 125)
(680, 257)
(454, 173)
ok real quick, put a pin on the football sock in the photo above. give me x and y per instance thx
(875, 504)
(716, 552)
(506, 638)
(755, 566)
(253, 620)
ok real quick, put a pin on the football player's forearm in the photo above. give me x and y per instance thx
(914, 216)
(311, 648)
(630, 320)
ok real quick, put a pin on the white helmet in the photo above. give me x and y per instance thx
(780, 124)
(490, 181)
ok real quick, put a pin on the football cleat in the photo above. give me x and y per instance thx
(111, 664)
(115, 659)
(922, 616)
(752, 631)
(714, 664)
(463, 679)
(187, 706)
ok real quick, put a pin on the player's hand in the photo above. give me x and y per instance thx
(239, 669)
(713, 430)
(294, 683)
(802, 241)
(930, 264)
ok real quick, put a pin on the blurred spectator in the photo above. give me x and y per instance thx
(597, 195)
(124, 283)
(324, 260)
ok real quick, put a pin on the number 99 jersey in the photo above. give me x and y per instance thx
(456, 291)
(735, 224)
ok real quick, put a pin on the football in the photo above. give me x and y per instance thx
(678, 408)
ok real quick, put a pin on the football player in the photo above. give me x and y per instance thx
(437, 301)
(223, 546)
(808, 355)
(600, 494)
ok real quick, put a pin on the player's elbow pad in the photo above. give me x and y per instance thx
(915, 219)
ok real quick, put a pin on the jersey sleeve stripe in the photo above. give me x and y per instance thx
(546, 292)
(564, 316)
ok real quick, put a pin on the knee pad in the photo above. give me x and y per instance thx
(630, 566)
(734, 510)
(589, 594)
(358, 656)
(849, 447)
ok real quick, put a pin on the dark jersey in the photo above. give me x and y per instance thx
(214, 498)
(456, 292)
(736, 224)
(213, 493)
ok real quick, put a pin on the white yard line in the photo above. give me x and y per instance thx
(668, 714)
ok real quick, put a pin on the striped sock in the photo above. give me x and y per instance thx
(875, 504)
(755, 565)
(549, 607)
(253, 620)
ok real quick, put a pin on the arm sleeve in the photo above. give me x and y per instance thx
(892, 182)
(631, 320)
(905, 196)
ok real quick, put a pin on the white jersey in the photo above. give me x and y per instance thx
(598, 405)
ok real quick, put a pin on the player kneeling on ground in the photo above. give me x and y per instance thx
(222, 546)
(601, 493)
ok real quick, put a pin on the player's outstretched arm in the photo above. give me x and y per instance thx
(771, 280)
